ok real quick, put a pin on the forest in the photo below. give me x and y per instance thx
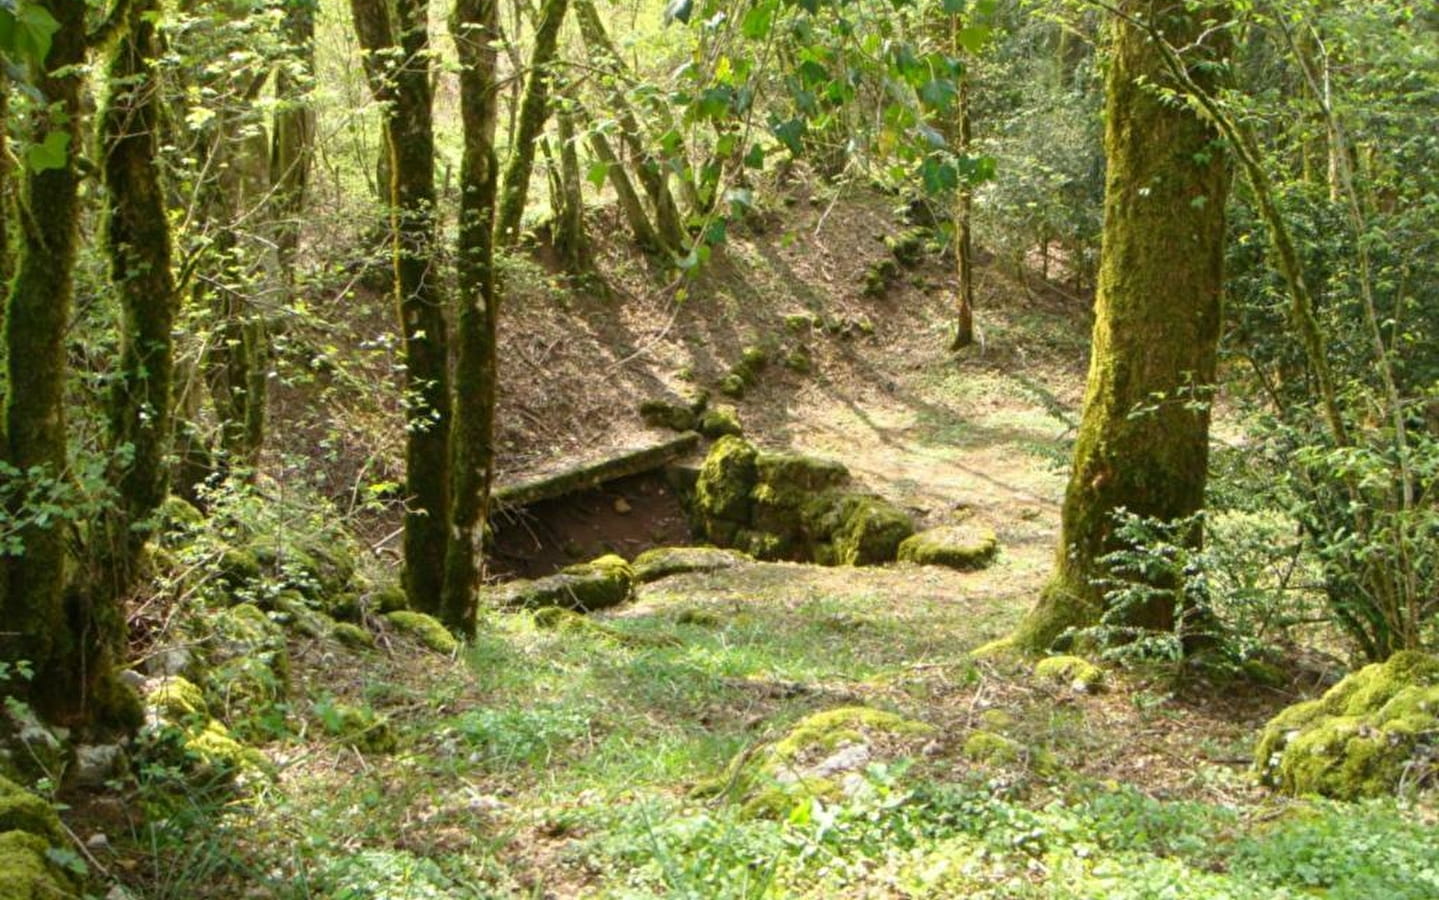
(699, 449)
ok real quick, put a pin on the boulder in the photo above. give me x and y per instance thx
(598, 584)
(963, 547)
(424, 628)
(662, 562)
(1372, 732)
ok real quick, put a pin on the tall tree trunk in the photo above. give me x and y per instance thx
(634, 210)
(44, 622)
(472, 454)
(534, 110)
(1144, 436)
(293, 140)
(668, 225)
(963, 219)
(138, 242)
(398, 62)
(570, 240)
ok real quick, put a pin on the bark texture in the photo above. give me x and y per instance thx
(398, 65)
(534, 110)
(43, 622)
(293, 140)
(1143, 439)
(139, 245)
(475, 26)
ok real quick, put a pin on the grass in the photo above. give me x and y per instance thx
(562, 763)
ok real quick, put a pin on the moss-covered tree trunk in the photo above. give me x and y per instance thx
(534, 110)
(630, 205)
(668, 224)
(292, 140)
(571, 242)
(474, 25)
(1143, 440)
(398, 64)
(43, 622)
(963, 217)
(138, 243)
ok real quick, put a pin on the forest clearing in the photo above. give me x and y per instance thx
(574, 449)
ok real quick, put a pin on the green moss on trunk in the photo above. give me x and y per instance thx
(1143, 440)
(534, 110)
(138, 241)
(401, 80)
(39, 307)
(475, 26)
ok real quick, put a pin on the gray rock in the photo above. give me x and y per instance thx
(96, 764)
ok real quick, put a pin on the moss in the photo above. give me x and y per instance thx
(799, 323)
(996, 749)
(26, 872)
(21, 810)
(176, 698)
(390, 598)
(360, 727)
(753, 359)
(870, 530)
(218, 750)
(733, 385)
(294, 614)
(179, 517)
(663, 562)
(878, 277)
(238, 568)
(598, 584)
(956, 546)
(1361, 738)
(768, 781)
(248, 662)
(726, 480)
(908, 246)
(797, 472)
(662, 414)
(352, 635)
(426, 629)
(798, 360)
(720, 421)
(1078, 673)
(767, 545)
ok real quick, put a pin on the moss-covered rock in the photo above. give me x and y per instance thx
(812, 758)
(1363, 738)
(175, 699)
(726, 481)
(1075, 672)
(216, 750)
(248, 663)
(663, 562)
(26, 872)
(238, 568)
(962, 547)
(995, 749)
(426, 629)
(352, 635)
(598, 584)
(799, 360)
(720, 421)
(867, 528)
(800, 323)
(734, 385)
(21, 810)
(294, 613)
(663, 414)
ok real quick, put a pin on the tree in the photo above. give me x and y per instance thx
(58, 630)
(138, 241)
(534, 110)
(472, 452)
(1144, 436)
(397, 64)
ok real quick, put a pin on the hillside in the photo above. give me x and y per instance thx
(762, 729)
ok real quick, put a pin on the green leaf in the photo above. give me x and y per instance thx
(938, 94)
(51, 153)
(34, 26)
(757, 22)
(938, 176)
(974, 37)
(955, 7)
(754, 159)
(597, 174)
(789, 133)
